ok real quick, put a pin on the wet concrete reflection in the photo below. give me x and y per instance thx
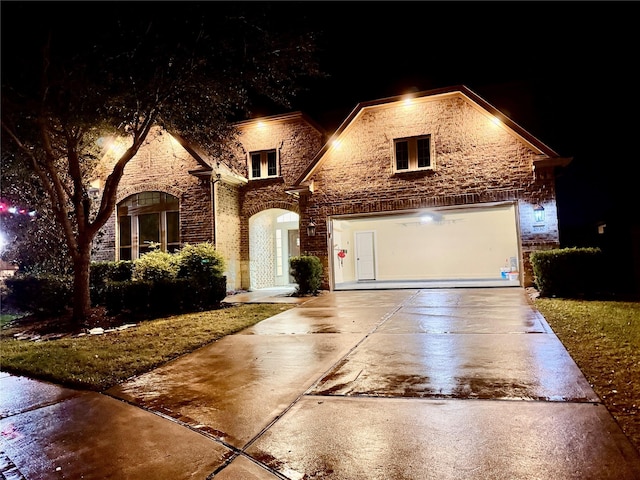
(520, 319)
(476, 297)
(321, 320)
(376, 439)
(237, 385)
(377, 385)
(93, 436)
(465, 366)
(361, 298)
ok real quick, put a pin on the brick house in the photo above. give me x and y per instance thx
(439, 187)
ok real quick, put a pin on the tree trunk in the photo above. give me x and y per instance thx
(81, 292)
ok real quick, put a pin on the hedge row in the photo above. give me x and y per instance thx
(570, 272)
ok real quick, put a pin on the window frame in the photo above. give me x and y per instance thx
(412, 158)
(165, 205)
(269, 162)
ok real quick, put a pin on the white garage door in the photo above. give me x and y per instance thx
(477, 243)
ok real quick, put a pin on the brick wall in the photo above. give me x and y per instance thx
(476, 161)
(227, 231)
(297, 141)
(162, 165)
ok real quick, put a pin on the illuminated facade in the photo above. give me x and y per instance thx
(439, 187)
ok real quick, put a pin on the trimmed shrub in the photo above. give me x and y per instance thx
(40, 294)
(307, 273)
(200, 261)
(103, 272)
(155, 265)
(569, 272)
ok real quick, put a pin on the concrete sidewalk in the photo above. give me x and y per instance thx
(467, 383)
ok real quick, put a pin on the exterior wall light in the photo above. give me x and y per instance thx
(311, 228)
(538, 214)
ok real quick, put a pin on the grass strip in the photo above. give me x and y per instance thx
(603, 338)
(97, 362)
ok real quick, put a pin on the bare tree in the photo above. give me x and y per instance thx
(67, 85)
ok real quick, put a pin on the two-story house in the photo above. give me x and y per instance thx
(437, 188)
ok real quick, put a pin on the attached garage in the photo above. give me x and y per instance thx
(470, 244)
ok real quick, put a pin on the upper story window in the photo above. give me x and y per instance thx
(413, 154)
(263, 164)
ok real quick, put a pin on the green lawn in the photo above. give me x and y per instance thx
(97, 362)
(603, 337)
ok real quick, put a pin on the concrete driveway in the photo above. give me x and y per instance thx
(461, 383)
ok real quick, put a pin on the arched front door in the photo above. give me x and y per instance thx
(273, 239)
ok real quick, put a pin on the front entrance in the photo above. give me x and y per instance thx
(273, 239)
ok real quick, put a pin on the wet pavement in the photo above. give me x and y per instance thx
(460, 383)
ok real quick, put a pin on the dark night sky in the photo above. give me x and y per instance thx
(561, 70)
(564, 71)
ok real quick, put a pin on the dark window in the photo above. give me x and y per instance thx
(255, 165)
(173, 231)
(413, 154)
(264, 164)
(402, 155)
(148, 231)
(124, 227)
(424, 152)
(271, 162)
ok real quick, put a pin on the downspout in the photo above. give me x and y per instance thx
(214, 224)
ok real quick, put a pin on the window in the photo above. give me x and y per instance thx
(146, 219)
(413, 154)
(264, 164)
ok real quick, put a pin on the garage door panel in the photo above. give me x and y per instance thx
(461, 244)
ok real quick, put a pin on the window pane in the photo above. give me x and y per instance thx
(424, 153)
(125, 253)
(255, 165)
(402, 155)
(149, 231)
(124, 224)
(271, 163)
(173, 227)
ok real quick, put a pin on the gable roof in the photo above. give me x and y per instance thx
(462, 90)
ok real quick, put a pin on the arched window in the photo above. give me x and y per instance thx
(145, 219)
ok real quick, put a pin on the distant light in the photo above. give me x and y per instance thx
(496, 121)
(13, 210)
(261, 124)
(426, 219)
(336, 144)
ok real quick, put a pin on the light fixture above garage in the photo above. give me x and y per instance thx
(538, 213)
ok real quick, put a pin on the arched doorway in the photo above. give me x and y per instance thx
(273, 239)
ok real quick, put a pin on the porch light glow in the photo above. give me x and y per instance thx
(538, 214)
